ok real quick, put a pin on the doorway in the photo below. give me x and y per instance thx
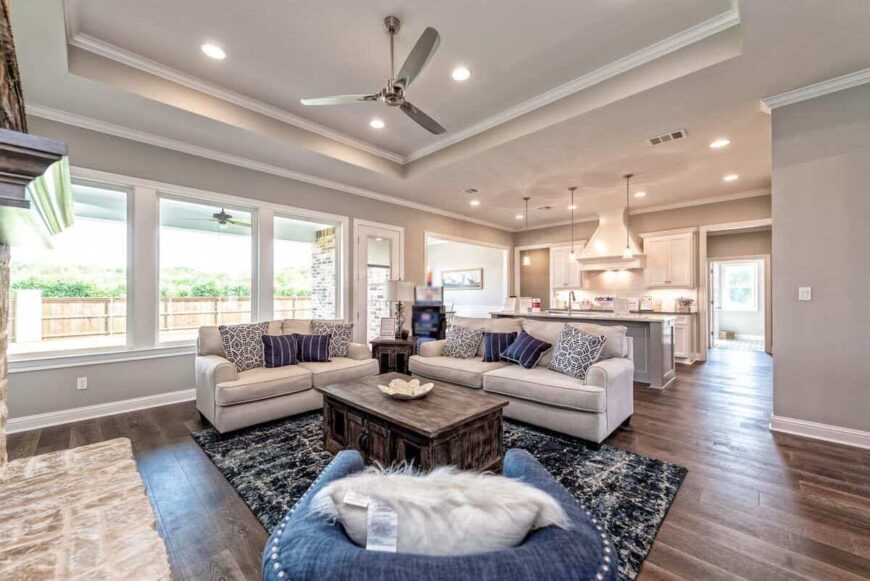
(378, 258)
(739, 304)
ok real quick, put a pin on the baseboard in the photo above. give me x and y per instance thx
(90, 412)
(816, 431)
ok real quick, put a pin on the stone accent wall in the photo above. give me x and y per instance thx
(4, 339)
(323, 275)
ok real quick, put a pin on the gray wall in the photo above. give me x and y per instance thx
(821, 211)
(535, 278)
(52, 390)
(739, 244)
(461, 256)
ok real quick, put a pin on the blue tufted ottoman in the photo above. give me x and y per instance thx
(309, 547)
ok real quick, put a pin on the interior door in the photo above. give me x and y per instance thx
(715, 303)
(377, 259)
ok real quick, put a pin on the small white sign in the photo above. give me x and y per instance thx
(383, 527)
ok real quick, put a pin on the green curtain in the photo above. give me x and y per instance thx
(51, 197)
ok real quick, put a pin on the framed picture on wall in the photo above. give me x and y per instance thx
(465, 279)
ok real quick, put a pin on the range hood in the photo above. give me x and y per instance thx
(604, 250)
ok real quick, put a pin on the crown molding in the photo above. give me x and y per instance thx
(119, 55)
(107, 128)
(641, 57)
(662, 207)
(841, 83)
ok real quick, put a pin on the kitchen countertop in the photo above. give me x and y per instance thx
(591, 316)
(606, 311)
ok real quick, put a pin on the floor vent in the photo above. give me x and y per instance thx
(672, 136)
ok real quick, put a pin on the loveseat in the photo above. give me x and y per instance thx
(231, 399)
(590, 409)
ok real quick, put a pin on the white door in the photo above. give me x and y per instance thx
(378, 257)
(657, 251)
(715, 302)
(680, 260)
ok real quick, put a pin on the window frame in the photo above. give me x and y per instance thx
(143, 267)
(726, 305)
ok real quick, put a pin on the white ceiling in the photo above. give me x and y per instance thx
(521, 53)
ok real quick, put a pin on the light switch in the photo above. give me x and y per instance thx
(805, 293)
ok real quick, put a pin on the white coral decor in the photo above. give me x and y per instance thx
(401, 389)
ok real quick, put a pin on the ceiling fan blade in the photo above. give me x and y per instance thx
(422, 119)
(420, 55)
(239, 223)
(339, 100)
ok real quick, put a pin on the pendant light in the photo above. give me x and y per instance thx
(627, 253)
(527, 260)
(572, 255)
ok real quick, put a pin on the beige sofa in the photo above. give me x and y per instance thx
(590, 409)
(231, 399)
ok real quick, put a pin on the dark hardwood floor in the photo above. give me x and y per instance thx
(754, 505)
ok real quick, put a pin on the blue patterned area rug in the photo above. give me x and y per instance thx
(271, 466)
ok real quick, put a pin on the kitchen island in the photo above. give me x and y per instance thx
(652, 339)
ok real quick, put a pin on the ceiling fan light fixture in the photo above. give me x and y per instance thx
(461, 73)
(377, 123)
(213, 51)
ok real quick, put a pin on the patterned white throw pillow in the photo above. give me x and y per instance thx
(576, 352)
(341, 336)
(462, 342)
(243, 344)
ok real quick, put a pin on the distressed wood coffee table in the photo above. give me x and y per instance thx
(452, 425)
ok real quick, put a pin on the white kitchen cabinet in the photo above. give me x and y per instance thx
(564, 272)
(670, 259)
(684, 337)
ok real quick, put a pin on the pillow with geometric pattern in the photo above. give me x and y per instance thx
(576, 352)
(462, 342)
(243, 344)
(342, 335)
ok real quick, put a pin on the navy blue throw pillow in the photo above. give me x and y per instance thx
(495, 343)
(526, 350)
(312, 348)
(279, 350)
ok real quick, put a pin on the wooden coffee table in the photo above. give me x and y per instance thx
(453, 425)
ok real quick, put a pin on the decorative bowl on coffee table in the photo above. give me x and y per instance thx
(405, 390)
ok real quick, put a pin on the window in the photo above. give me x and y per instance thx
(205, 267)
(740, 286)
(74, 295)
(305, 269)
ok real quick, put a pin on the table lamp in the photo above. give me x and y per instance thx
(400, 292)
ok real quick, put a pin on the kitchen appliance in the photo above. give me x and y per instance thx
(645, 303)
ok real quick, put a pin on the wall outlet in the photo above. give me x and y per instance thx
(805, 293)
(81, 383)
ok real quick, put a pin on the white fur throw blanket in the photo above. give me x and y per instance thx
(444, 512)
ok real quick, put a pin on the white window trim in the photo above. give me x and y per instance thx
(143, 269)
(753, 308)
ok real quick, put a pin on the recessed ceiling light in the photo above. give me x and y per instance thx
(474, 203)
(640, 194)
(461, 74)
(519, 216)
(731, 177)
(720, 143)
(213, 51)
(376, 123)
(572, 207)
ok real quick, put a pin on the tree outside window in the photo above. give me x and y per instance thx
(740, 286)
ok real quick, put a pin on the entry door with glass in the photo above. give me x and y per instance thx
(378, 259)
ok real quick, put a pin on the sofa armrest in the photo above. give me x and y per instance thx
(432, 348)
(611, 372)
(211, 370)
(358, 351)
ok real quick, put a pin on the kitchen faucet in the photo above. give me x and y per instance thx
(571, 299)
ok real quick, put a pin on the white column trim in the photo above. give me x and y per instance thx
(143, 297)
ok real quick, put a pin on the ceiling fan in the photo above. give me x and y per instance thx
(223, 219)
(394, 93)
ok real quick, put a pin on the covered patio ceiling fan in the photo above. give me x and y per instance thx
(223, 219)
(394, 93)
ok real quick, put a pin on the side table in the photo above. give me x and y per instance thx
(393, 354)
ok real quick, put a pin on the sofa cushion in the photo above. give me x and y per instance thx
(261, 383)
(341, 334)
(339, 369)
(546, 387)
(495, 343)
(501, 325)
(310, 348)
(280, 350)
(548, 331)
(467, 372)
(462, 342)
(576, 352)
(243, 344)
(526, 350)
(299, 326)
(616, 342)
